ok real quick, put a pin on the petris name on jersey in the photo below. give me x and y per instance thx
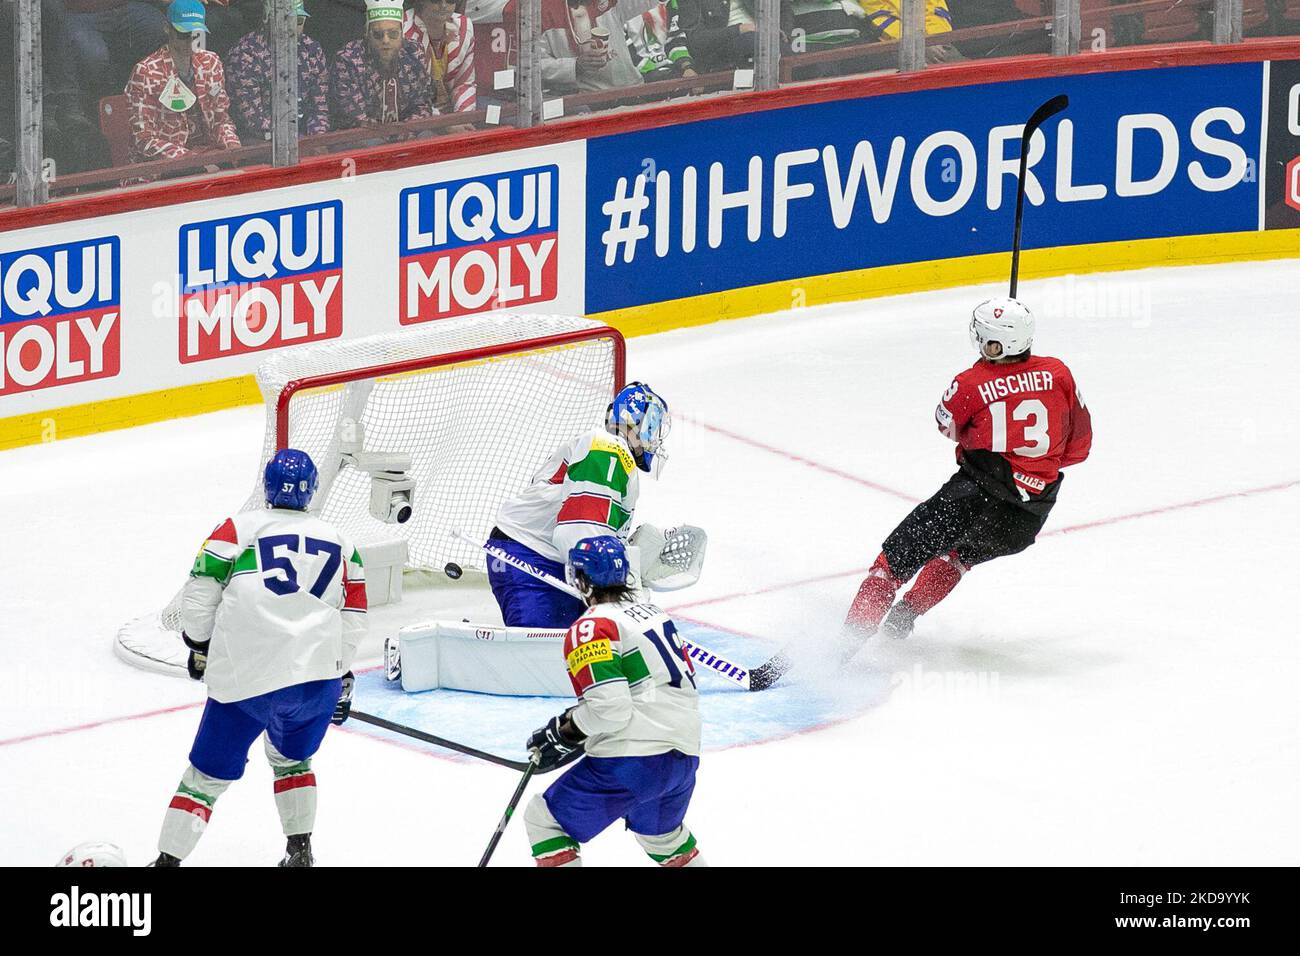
(1039, 381)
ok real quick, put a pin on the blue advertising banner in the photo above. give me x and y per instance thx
(727, 203)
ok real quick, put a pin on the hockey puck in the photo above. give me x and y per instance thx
(453, 570)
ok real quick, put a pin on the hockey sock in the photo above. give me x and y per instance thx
(676, 848)
(187, 815)
(295, 791)
(875, 596)
(551, 845)
(935, 582)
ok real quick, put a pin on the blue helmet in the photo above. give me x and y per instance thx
(601, 561)
(290, 479)
(638, 407)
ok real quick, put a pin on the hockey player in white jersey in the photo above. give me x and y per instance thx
(637, 719)
(588, 487)
(272, 613)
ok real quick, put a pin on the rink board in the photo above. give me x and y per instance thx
(732, 717)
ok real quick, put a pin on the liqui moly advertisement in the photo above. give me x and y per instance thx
(472, 245)
(261, 281)
(60, 314)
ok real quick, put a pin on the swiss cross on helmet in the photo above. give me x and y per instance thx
(290, 479)
(1001, 328)
(641, 416)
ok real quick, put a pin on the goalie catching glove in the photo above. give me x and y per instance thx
(558, 743)
(672, 559)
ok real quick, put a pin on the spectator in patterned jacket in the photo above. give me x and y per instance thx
(381, 78)
(249, 67)
(446, 38)
(177, 94)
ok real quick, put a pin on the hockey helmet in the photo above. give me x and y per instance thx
(599, 562)
(96, 853)
(638, 408)
(1003, 322)
(290, 479)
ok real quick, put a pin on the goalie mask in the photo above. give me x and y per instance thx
(642, 417)
(1001, 328)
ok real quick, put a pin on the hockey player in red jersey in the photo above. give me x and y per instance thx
(1017, 419)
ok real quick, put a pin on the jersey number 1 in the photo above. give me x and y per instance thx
(278, 571)
(1037, 442)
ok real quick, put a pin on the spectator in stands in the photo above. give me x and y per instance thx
(445, 37)
(109, 35)
(69, 136)
(886, 17)
(248, 66)
(721, 33)
(177, 94)
(581, 48)
(381, 78)
(648, 36)
(336, 23)
(229, 21)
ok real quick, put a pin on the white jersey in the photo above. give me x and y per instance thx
(282, 597)
(635, 682)
(588, 487)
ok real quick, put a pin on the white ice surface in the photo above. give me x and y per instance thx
(1120, 694)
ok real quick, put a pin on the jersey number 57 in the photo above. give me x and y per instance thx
(279, 573)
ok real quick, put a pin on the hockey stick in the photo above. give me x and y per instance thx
(1037, 119)
(510, 810)
(702, 655)
(440, 742)
(769, 672)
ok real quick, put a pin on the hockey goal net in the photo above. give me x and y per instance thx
(476, 402)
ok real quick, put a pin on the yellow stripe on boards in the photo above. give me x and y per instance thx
(108, 414)
(950, 273)
(186, 400)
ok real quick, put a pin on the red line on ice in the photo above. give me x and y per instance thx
(1069, 529)
(791, 456)
(1084, 526)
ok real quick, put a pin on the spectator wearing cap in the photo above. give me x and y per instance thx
(445, 37)
(177, 94)
(248, 66)
(381, 78)
(109, 35)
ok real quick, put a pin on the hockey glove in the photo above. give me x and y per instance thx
(344, 707)
(556, 744)
(197, 663)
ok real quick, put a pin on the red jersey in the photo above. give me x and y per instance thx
(1030, 413)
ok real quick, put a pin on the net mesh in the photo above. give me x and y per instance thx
(476, 429)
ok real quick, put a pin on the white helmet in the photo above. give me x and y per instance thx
(1004, 322)
(93, 854)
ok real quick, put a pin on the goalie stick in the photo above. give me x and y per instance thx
(770, 671)
(701, 655)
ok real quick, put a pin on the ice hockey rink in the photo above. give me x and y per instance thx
(1122, 693)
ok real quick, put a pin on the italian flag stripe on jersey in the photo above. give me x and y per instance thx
(593, 509)
(601, 467)
(634, 666)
